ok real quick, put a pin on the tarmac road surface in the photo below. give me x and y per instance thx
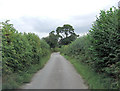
(58, 73)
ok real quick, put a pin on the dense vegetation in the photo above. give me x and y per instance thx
(64, 36)
(20, 52)
(100, 49)
(52, 39)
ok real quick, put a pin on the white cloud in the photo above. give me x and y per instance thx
(51, 8)
(83, 34)
(50, 14)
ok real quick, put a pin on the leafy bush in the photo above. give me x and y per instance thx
(101, 47)
(105, 38)
(78, 48)
(20, 50)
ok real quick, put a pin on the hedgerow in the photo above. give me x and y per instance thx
(101, 47)
(105, 38)
(20, 51)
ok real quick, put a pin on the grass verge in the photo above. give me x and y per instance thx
(92, 79)
(16, 80)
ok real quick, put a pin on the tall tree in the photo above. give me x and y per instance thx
(66, 34)
(65, 31)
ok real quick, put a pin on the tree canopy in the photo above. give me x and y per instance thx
(66, 34)
(62, 36)
(52, 39)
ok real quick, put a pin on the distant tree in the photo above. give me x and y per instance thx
(66, 34)
(52, 39)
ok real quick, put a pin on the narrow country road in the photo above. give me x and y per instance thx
(58, 73)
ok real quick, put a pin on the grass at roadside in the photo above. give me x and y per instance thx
(92, 79)
(16, 80)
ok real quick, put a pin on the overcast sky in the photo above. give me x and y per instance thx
(43, 16)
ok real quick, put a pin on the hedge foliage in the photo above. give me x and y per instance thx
(105, 40)
(20, 50)
(101, 47)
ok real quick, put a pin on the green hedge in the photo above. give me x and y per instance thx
(20, 50)
(101, 47)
